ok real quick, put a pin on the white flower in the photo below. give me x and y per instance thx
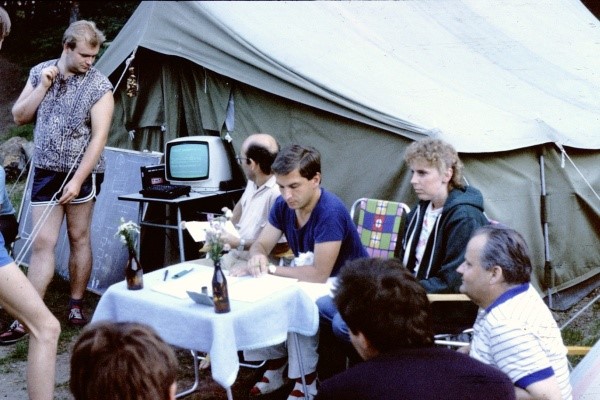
(227, 213)
(214, 245)
(127, 233)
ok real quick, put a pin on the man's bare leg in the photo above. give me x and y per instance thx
(79, 218)
(42, 263)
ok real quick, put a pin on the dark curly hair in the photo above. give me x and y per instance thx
(384, 301)
(121, 361)
(306, 159)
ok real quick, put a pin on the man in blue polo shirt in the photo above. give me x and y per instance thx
(322, 236)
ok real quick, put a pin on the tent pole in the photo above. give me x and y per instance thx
(548, 270)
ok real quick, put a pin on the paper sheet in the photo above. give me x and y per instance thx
(193, 282)
(254, 289)
(246, 288)
(197, 229)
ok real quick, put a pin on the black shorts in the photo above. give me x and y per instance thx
(47, 187)
(9, 228)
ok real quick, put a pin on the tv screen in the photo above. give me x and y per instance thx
(188, 161)
(201, 162)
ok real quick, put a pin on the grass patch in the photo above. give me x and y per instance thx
(24, 131)
(19, 353)
(572, 337)
(56, 299)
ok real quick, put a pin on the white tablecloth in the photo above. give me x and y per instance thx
(183, 323)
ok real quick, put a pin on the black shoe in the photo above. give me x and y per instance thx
(76, 316)
(13, 334)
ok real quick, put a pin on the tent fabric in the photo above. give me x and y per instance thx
(523, 69)
(503, 81)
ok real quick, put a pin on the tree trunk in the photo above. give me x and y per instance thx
(74, 12)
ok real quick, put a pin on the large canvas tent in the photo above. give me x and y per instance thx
(514, 85)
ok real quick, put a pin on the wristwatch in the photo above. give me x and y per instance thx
(272, 269)
(242, 244)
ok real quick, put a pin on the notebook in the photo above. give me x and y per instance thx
(155, 185)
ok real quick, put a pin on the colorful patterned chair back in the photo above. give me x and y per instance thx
(378, 223)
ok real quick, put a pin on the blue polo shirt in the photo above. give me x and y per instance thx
(328, 222)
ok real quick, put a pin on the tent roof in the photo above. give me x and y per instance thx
(484, 75)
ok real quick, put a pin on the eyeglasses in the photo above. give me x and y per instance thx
(240, 158)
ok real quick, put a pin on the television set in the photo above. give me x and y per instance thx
(198, 161)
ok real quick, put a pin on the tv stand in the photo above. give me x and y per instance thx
(178, 203)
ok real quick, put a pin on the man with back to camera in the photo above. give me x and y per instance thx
(122, 360)
(251, 212)
(322, 236)
(514, 331)
(72, 105)
(389, 319)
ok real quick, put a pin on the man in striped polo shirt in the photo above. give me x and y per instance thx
(514, 330)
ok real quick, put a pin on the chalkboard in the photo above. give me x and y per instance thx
(122, 176)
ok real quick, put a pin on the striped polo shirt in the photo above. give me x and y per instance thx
(518, 334)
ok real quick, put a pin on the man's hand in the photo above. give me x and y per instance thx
(48, 75)
(70, 192)
(257, 265)
(230, 239)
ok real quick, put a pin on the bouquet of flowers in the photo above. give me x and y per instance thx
(128, 233)
(214, 244)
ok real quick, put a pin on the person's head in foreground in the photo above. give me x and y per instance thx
(436, 168)
(298, 172)
(122, 361)
(496, 259)
(385, 307)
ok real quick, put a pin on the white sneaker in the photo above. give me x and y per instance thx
(271, 380)
(298, 391)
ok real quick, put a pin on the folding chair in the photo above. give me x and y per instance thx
(459, 335)
(379, 223)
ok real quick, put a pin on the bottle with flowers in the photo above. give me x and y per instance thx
(128, 232)
(215, 247)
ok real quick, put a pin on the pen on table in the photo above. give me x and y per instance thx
(166, 274)
(182, 273)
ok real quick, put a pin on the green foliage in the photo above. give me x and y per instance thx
(572, 337)
(15, 191)
(24, 131)
(37, 27)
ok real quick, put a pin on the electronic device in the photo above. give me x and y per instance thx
(155, 185)
(152, 175)
(198, 161)
(166, 191)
